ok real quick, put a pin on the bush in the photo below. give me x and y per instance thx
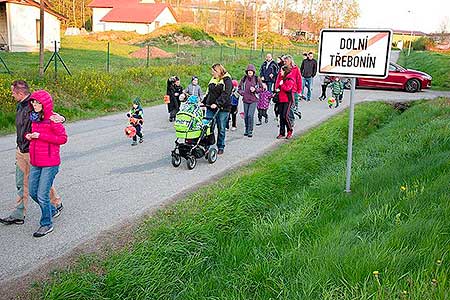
(422, 43)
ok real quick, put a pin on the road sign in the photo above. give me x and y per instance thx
(355, 52)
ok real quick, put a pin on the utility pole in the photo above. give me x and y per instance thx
(41, 38)
(255, 29)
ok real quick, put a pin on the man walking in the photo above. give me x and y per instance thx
(21, 92)
(308, 70)
(268, 72)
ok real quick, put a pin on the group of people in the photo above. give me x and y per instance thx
(40, 133)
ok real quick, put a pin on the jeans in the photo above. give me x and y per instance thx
(40, 182)
(221, 122)
(308, 84)
(249, 116)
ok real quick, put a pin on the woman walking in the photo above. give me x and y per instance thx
(249, 88)
(285, 86)
(217, 98)
(45, 139)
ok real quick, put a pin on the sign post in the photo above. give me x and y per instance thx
(354, 53)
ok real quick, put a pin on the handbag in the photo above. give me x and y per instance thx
(276, 97)
(166, 99)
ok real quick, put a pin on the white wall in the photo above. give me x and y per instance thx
(165, 17)
(97, 15)
(22, 28)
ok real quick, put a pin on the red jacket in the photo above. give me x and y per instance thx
(44, 151)
(286, 89)
(298, 79)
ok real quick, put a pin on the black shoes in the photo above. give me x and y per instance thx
(10, 221)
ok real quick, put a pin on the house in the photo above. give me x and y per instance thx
(142, 16)
(20, 25)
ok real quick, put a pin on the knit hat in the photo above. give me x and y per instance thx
(192, 99)
(137, 101)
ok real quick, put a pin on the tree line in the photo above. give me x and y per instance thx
(238, 18)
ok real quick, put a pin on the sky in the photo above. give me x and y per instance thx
(424, 15)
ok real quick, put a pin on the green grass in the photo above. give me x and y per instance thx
(282, 227)
(434, 63)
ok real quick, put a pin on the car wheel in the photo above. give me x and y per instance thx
(212, 155)
(412, 85)
(191, 162)
(176, 160)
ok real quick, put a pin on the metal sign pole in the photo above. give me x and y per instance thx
(350, 136)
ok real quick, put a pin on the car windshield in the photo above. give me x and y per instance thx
(396, 66)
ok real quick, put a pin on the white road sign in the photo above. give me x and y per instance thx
(355, 52)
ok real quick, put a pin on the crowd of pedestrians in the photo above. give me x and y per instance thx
(40, 131)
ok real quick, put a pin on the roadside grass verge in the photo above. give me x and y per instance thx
(434, 63)
(282, 227)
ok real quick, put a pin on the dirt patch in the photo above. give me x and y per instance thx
(154, 52)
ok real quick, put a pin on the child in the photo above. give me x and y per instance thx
(194, 89)
(174, 90)
(263, 105)
(234, 106)
(324, 81)
(136, 116)
(45, 139)
(337, 89)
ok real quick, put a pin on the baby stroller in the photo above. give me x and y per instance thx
(197, 134)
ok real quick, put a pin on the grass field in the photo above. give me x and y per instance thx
(282, 228)
(434, 63)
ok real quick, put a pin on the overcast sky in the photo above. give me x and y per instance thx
(425, 15)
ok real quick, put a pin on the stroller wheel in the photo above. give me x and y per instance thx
(191, 162)
(212, 155)
(176, 160)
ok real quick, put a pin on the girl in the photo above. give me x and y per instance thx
(286, 98)
(136, 115)
(174, 90)
(263, 105)
(194, 89)
(234, 106)
(45, 139)
(250, 87)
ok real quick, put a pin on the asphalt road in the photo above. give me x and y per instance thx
(105, 182)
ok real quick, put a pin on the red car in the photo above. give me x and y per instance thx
(398, 78)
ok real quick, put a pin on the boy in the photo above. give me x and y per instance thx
(136, 116)
(337, 89)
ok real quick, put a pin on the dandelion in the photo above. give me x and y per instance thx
(403, 188)
(405, 293)
(434, 282)
(376, 273)
(439, 262)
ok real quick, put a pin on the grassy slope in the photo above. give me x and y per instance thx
(282, 228)
(434, 63)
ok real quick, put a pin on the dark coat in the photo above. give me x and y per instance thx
(268, 68)
(23, 124)
(219, 94)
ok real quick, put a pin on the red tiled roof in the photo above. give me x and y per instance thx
(47, 7)
(406, 32)
(141, 13)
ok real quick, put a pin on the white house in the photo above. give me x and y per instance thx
(19, 25)
(142, 16)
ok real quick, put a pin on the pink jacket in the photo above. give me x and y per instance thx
(44, 151)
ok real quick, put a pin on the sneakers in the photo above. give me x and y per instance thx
(266, 120)
(246, 134)
(10, 221)
(220, 151)
(233, 128)
(134, 143)
(141, 140)
(59, 208)
(43, 230)
(298, 114)
(250, 135)
(259, 123)
(280, 136)
(289, 135)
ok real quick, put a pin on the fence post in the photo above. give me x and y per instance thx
(221, 53)
(262, 51)
(235, 50)
(107, 60)
(148, 55)
(56, 64)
